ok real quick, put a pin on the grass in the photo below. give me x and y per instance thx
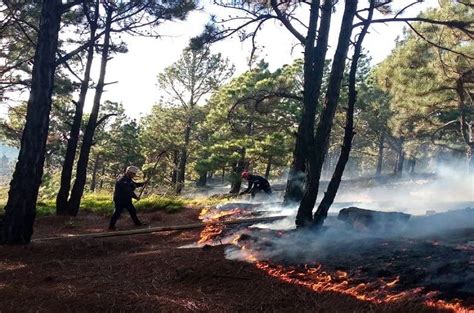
(101, 203)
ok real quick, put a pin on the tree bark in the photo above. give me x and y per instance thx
(318, 144)
(102, 175)
(466, 126)
(174, 173)
(81, 171)
(378, 171)
(72, 142)
(202, 179)
(241, 165)
(269, 167)
(94, 172)
(20, 210)
(314, 59)
(183, 158)
(411, 165)
(333, 187)
(237, 170)
(400, 156)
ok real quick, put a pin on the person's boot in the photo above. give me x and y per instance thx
(141, 224)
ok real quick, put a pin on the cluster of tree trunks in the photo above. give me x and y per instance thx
(20, 210)
(317, 144)
(73, 139)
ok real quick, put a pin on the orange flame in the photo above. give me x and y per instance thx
(208, 215)
(455, 307)
(213, 231)
(378, 291)
(210, 232)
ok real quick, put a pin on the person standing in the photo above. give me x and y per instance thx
(123, 195)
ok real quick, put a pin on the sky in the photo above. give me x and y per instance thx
(136, 71)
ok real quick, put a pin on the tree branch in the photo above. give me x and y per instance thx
(104, 118)
(437, 45)
(462, 25)
(282, 18)
(74, 52)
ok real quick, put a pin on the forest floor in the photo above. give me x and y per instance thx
(150, 273)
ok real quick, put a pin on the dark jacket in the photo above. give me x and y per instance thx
(124, 188)
(256, 181)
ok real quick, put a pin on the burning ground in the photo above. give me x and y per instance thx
(428, 259)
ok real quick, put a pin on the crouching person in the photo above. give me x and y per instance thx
(256, 184)
(123, 195)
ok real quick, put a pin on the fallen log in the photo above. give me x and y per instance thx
(247, 205)
(365, 220)
(165, 228)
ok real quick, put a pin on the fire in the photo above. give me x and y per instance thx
(393, 283)
(212, 231)
(455, 307)
(207, 214)
(317, 279)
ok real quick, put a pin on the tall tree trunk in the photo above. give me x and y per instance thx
(20, 210)
(401, 160)
(314, 60)
(72, 142)
(400, 156)
(102, 175)
(223, 175)
(466, 126)
(87, 141)
(238, 168)
(269, 167)
(183, 158)
(241, 164)
(318, 144)
(378, 171)
(94, 172)
(174, 173)
(411, 165)
(202, 179)
(330, 195)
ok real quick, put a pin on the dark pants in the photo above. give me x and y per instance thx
(118, 211)
(257, 188)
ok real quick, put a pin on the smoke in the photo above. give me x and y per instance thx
(441, 205)
(446, 190)
(431, 248)
(437, 202)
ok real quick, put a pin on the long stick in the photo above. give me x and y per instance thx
(167, 228)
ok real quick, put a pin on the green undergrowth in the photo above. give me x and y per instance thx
(101, 203)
